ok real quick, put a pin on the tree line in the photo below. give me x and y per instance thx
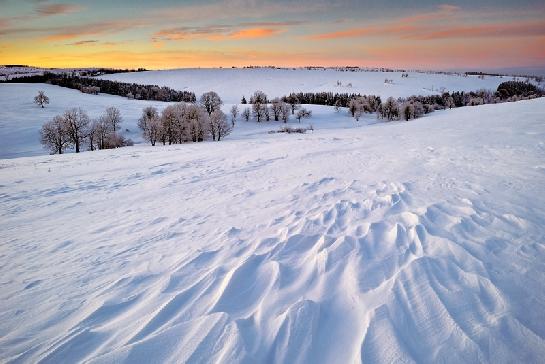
(277, 109)
(96, 85)
(413, 107)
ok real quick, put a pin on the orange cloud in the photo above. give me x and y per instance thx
(223, 32)
(253, 33)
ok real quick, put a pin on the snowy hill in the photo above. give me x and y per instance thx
(232, 84)
(419, 241)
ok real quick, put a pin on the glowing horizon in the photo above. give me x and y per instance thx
(169, 34)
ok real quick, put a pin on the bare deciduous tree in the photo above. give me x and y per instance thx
(53, 136)
(113, 117)
(197, 119)
(285, 110)
(303, 114)
(276, 108)
(234, 114)
(219, 127)
(389, 110)
(150, 124)
(210, 101)
(76, 124)
(246, 114)
(259, 105)
(294, 103)
(41, 99)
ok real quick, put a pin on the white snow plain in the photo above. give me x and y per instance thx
(419, 241)
(232, 84)
(21, 119)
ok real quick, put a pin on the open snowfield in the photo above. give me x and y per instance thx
(419, 241)
(21, 119)
(232, 84)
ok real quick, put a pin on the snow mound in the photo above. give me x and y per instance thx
(403, 242)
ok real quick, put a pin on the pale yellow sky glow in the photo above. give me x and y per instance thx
(283, 33)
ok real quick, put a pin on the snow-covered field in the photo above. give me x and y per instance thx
(232, 84)
(419, 241)
(21, 119)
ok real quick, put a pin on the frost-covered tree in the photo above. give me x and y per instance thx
(92, 135)
(267, 113)
(448, 101)
(219, 127)
(234, 114)
(389, 110)
(303, 114)
(150, 124)
(76, 123)
(113, 117)
(407, 111)
(285, 111)
(197, 120)
(259, 105)
(169, 122)
(276, 108)
(246, 114)
(353, 106)
(180, 123)
(41, 99)
(53, 135)
(294, 103)
(210, 101)
(102, 129)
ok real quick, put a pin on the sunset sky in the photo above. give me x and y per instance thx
(168, 34)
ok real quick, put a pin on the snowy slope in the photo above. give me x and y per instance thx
(421, 241)
(232, 84)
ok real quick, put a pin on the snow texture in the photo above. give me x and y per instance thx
(419, 241)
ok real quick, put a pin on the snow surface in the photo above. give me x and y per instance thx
(232, 84)
(419, 241)
(21, 119)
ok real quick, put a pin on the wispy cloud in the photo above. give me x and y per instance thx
(254, 33)
(83, 42)
(518, 29)
(86, 30)
(245, 30)
(57, 9)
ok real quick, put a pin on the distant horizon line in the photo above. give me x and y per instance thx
(453, 69)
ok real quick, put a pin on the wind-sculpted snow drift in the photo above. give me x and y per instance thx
(404, 242)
